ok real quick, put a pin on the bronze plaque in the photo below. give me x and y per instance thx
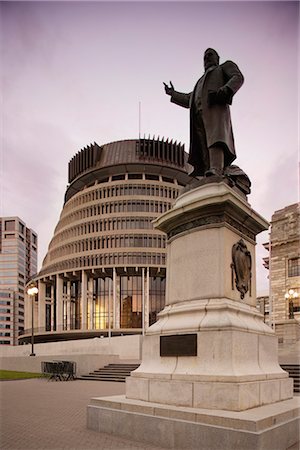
(178, 345)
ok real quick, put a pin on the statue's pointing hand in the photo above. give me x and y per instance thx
(169, 89)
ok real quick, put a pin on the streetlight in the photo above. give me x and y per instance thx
(32, 291)
(290, 295)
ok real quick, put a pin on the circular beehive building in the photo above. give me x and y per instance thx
(105, 269)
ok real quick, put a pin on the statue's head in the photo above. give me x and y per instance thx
(211, 58)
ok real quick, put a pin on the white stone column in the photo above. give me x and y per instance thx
(84, 299)
(68, 305)
(143, 301)
(91, 303)
(52, 307)
(146, 294)
(59, 303)
(109, 306)
(116, 302)
(41, 306)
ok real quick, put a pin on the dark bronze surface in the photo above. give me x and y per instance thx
(84, 160)
(178, 345)
(211, 139)
(241, 265)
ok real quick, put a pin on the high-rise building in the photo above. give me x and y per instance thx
(18, 262)
(283, 263)
(105, 268)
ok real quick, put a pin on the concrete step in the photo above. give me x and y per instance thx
(95, 374)
(119, 369)
(111, 372)
(294, 372)
(91, 378)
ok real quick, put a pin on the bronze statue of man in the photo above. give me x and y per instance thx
(211, 138)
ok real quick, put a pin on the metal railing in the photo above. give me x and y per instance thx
(59, 370)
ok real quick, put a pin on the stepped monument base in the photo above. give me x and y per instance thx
(209, 377)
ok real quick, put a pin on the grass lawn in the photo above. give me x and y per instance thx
(13, 375)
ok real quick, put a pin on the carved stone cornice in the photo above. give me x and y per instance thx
(208, 206)
(221, 219)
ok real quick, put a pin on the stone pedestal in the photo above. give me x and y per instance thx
(270, 427)
(210, 348)
(235, 366)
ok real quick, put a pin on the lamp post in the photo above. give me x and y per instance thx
(32, 291)
(290, 295)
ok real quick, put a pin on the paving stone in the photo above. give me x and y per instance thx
(47, 415)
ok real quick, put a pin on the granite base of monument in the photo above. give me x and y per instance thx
(270, 427)
(209, 377)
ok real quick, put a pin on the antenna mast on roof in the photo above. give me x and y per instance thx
(140, 115)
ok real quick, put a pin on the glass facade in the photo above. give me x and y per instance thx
(156, 297)
(131, 298)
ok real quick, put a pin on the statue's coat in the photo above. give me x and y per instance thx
(216, 118)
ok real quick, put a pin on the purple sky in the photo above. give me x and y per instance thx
(74, 73)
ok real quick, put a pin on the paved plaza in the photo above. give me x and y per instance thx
(41, 414)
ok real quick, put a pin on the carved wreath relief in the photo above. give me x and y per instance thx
(241, 267)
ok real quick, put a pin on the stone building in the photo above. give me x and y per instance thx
(284, 264)
(18, 262)
(104, 272)
(262, 304)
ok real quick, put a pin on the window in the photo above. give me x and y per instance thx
(135, 176)
(118, 177)
(48, 291)
(9, 236)
(21, 228)
(152, 177)
(168, 180)
(294, 267)
(2, 302)
(9, 225)
(104, 180)
(130, 301)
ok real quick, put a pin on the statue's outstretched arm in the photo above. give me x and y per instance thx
(181, 99)
(178, 98)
